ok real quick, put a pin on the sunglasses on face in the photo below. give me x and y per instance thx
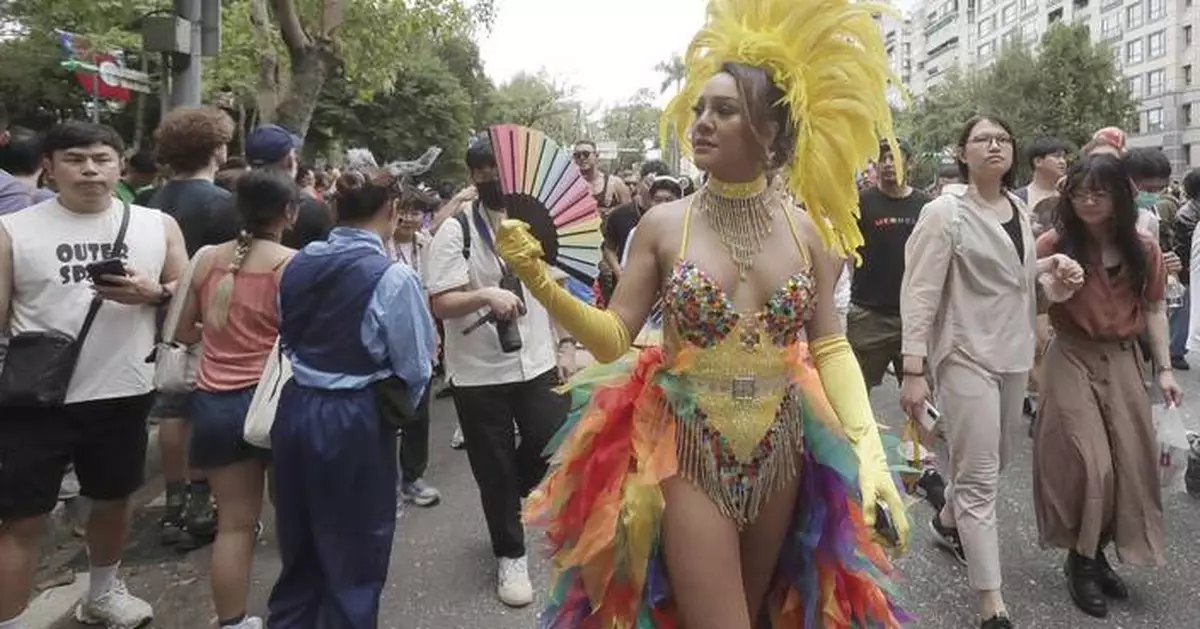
(582, 154)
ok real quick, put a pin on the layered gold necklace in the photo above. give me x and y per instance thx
(742, 216)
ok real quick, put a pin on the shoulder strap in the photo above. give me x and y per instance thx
(94, 307)
(461, 217)
(175, 310)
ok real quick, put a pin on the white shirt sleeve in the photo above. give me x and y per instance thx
(447, 268)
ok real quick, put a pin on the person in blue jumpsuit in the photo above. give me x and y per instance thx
(349, 319)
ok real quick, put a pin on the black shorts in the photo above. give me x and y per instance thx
(105, 439)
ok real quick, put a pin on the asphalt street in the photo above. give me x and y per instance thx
(442, 572)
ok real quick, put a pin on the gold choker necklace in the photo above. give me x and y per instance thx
(742, 216)
(742, 190)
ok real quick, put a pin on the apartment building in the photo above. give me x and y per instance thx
(1153, 41)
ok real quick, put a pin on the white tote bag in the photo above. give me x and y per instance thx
(175, 364)
(261, 416)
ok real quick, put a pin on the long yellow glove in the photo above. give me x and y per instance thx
(601, 331)
(842, 379)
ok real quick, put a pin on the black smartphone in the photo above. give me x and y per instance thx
(110, 266)
(885, 526)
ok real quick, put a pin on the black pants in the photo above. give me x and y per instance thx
(505, 472)
(414, 442)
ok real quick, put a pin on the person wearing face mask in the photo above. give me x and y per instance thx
(357, 331)
(505, 359)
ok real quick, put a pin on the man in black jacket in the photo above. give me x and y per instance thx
(1181, 243)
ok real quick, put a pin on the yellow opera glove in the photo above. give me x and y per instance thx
(842, 379)
(602, 332)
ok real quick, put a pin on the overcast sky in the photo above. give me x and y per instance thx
(607, 49)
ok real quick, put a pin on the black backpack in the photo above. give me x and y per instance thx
(461, 217)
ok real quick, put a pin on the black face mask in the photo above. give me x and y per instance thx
(490, 194)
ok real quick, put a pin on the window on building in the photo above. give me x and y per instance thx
(1008, 14)
(1154, 120)
(1187, 35)
(1029, 33)
(1156, 82)
(987, 50)
(1157, 45)
(1185, 113)
(1187, 148)
(1054, 16)
(987, 25)
(1134, 15)
(1156, 9)
(984, 5)
(1028, 5)
(1135, 86)
(1110, 27)
(1187, 74)
(1134, 52)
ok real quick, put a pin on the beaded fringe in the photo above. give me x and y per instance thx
(741, 489)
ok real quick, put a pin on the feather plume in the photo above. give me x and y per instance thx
(828, 58)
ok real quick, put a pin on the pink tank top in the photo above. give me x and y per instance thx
(235, 355)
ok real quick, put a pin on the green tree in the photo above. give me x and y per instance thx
(1069, 88)
(631, 126)
(540, 102)
(427, 107)
(366, 41)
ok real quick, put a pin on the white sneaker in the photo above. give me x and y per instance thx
(512, 583)
(249, 622)
(115, 609)
(457, 441)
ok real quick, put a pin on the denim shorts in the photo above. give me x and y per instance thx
(170, 405)
(217, 420)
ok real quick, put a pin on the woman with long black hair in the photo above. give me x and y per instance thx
(1095, 464)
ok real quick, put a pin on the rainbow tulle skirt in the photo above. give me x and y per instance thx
(601, 508)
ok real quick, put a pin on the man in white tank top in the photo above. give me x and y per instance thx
(44, 286)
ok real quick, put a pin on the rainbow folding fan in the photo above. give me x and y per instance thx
(544, 188)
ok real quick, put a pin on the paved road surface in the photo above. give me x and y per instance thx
(442, 570)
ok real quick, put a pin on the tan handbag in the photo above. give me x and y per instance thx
(176, 364)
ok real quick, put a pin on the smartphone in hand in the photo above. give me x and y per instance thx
(109, 266)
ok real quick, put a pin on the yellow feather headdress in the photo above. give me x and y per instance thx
(828, 58)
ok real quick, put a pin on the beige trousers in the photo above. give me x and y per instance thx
(981, 412)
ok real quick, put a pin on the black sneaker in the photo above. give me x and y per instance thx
(200, 519)
(1180, 364)
(932, 487)
(999, 621)
(170, 527)
(948, 538)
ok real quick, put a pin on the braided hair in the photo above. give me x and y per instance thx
(263, 198)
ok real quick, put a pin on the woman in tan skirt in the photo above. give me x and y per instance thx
(1095, 451)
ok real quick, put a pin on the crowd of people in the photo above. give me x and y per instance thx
(737, 327)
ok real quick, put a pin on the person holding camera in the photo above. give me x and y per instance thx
(501, 352)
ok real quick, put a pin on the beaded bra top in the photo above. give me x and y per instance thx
(741, 439)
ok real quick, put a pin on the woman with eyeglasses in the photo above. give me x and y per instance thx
(1095, 448)
(968, 306)
(409, 242)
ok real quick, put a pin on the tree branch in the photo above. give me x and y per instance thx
(290, 27)
(332, 17)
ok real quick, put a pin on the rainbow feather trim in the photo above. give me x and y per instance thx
(601, 508)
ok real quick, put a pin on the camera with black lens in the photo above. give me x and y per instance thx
(509, 333)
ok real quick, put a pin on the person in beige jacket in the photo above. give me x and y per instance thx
(967, 308)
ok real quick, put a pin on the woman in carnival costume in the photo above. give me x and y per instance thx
(730, 478)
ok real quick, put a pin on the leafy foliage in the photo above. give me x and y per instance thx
(538, 101)
(631, 126)
(1068, 89)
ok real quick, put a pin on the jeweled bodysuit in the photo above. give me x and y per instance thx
(741, 438)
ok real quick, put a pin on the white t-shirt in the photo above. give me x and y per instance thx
(476, 359)
(52, 247)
